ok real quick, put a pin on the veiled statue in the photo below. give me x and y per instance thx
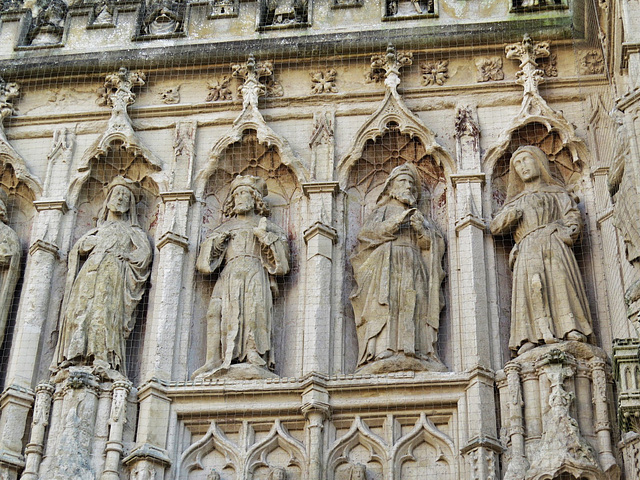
(107, 273)
(251, 252)
(398, 272)
(626, 208)
(10, 252)
(549, 301)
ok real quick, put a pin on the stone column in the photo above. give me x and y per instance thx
(630, 12)
(153, 427)
(518, 464)
(117, 419)
(601, 408)
(172, 244)
(475, 345)
(315, 407)
(319, 237)
(33, 312)
(35, 447)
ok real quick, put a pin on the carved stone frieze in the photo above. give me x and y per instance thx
(489, 69)
(284, 13)
(434, 73)
(324, 82)
(258, 80)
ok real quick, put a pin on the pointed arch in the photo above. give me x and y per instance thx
(358, 434)
(278, 437)
(250, 120)
(19, 177)
(424, 432)
(143, 167)
(538, 124)
(214, 439)
(393, 113)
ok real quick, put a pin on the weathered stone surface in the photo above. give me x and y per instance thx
(549, 302)
(398, 272)
(249, 250)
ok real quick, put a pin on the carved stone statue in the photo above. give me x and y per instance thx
(398, 272)
(10, 252)
(357, 471)
(163, 17)
(626, 210)
(48, 22)
(286, 12)
(251, 251)
(101, 294)
(549, 302)
(277, 473)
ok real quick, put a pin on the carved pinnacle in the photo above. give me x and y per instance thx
(390, 63)
(528, 52)
(119, 87)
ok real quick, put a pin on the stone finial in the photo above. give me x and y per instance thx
(118, 87)
(530, 76)
(465, 122)
(9, 91)
(388, 66)
(258, 80)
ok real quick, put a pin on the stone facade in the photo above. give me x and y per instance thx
(319, 240)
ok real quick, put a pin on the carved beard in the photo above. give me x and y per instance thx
(404, 196)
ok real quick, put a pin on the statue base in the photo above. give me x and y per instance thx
(402, 363)
(238, 371)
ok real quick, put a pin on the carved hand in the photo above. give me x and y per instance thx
(566, 234)
(261, 230)
(417, 223)
(402, 218)
(89, 243)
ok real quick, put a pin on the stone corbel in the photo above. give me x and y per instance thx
(149, 454)
(173, 238)
(45, 246)
(482, 452)
(626, 358)
(310, 188)
(43, 205)
(320, 239)
(183, 196)
(15, 404)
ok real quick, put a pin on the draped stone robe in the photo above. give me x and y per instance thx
(242, 297)
(100, 302)
(547, 284)
(397, 300)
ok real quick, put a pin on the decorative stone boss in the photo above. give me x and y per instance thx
(398, 273)
(251, 251)
(549, 302)
(101, 295)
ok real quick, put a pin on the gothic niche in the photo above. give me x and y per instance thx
(163, 17)
(47, 25)
(284, 13)
(562, 171)
(96, 190)
(409, 8)
(386, 164)
(223, 8)
(250, 168)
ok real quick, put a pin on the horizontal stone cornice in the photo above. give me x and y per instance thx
(180, 196)
(320, 187)
(42, 205)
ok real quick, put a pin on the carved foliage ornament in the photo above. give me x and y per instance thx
(9, 91)
(324, 82)
(387, 67)
(489, 69)
(219, 90)
(592, 63)
(435, 73)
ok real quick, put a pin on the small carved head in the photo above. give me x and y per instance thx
(277, 473)
(213, 475)
(247, 193)
(357, 471)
